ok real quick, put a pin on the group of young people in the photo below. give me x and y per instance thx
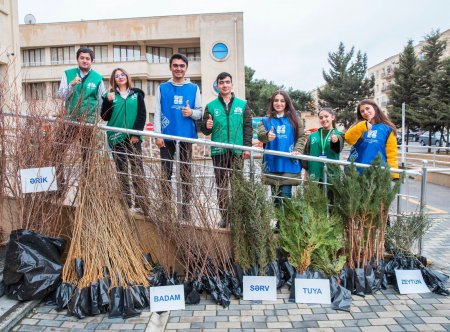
(227, 119)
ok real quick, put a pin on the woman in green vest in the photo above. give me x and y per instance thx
(123, 107)
(327, 142)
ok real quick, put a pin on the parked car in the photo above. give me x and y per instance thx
(413, 136)
(435, 138)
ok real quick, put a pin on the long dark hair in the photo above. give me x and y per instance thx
(289, 111)
(379, 117)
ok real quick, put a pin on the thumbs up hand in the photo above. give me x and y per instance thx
(271, 135)
(333, 138)
(209, 122)
(186, 110)
(76, 80)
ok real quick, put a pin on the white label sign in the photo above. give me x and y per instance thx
(165, 298)
(411, 282)
(36, 180)
(312, 291)
(260, 288)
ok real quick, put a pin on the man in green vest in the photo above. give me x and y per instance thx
(228, 120)
(81, 88)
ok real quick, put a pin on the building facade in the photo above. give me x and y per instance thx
(213, 43)
(384, 71)
(10, 63)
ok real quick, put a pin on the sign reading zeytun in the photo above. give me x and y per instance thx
(312, 291)
(166, 298)
(36, 180)
(260, 288)
(411, 282)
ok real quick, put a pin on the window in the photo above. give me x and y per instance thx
(199, 83)
(100, 52)
(220, 51)
(33, 57)
(63, 55)
(158, 54)
(152, 87)
(192, 53)
(137, 84)
(55, 88)
(126, 53)
(34, 91)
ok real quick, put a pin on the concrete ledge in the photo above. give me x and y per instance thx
(14, 312)
(441, 179)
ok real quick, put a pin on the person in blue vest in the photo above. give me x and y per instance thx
(124, 107)
(228, 120)
(371, 135)
(178, 105)
(81, 88)
(281, 130)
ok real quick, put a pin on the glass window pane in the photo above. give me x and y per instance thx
(162, 55)
(137, 53)
(123, 53)
(37, 56)
(116, 51)
(26, 57)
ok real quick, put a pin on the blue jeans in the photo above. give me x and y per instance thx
(284, 191)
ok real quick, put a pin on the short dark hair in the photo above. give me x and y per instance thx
(85, 50)
(180, 57)
(223, 75)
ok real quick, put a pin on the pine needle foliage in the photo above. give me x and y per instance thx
(362, 201)
(253, 240)
(309, 235)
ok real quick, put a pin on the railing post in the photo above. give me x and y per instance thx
(325, 185)
(423, 186)
(178, 179)
(252, 166)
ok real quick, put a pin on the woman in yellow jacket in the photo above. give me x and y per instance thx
(371, 135)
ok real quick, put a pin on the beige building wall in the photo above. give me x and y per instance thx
(55, 44)
(10, 64)
(384, 71)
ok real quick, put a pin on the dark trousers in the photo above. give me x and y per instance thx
(223, 166)
(126, 153)
(167, 156)
(280, 193)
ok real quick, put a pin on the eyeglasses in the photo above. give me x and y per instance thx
(179, 66)
(120, 75)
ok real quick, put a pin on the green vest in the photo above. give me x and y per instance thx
(82, 104)
(123, 115)
(315, 169)
(227, 128)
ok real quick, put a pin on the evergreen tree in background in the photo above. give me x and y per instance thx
(429, 66)
(259, 91)
(404, 89)
(440, 98)
(346, 84)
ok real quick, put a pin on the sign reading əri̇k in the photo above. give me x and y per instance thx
(411, 282)
(165, 298)
(259, 288)
(36, 180)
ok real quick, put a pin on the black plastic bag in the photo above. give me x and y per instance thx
(33, 265)
(360, 281)
(79, 267)
(380, 275)
(63, 294)
(370, 286)
(74, 305)
(273, 269)
(436, 281)
(103, 293)
(158, 276)
(239, 272)
(94, 291)
(139, 297)
(341, 298)
(129, 310)
(191, 292)
(307, 275)
(2, 288)
(85, 301)
(116, 299)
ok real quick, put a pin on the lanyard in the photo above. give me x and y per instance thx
(324, 142)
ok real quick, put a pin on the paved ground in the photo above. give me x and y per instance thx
(386, 311)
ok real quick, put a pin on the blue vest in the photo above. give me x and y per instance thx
(284, 142)
(173, 98)
(372, 143)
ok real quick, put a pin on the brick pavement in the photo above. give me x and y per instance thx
(384, 311)
(436, 243)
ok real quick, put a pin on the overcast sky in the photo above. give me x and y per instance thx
(286, 41)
